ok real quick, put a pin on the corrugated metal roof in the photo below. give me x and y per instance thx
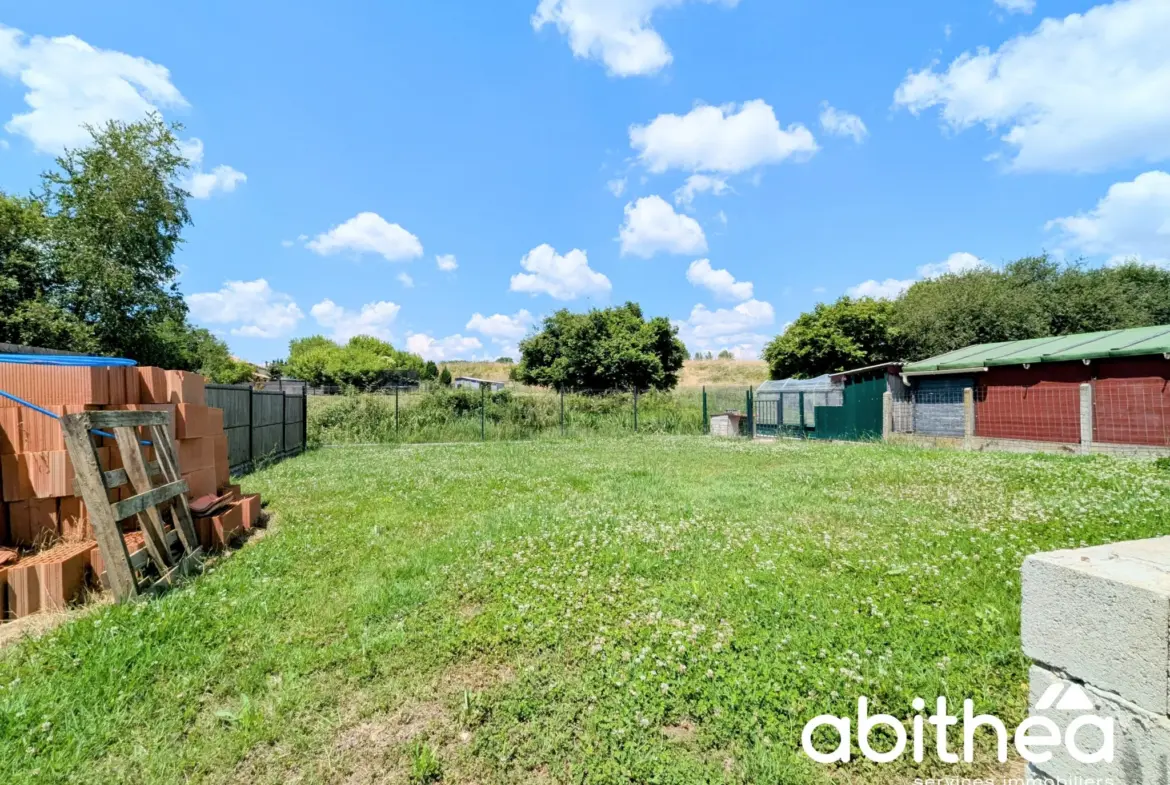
(1083, 346)
(866, 369)
(823, 383)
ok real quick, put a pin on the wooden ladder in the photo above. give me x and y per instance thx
(171, 551)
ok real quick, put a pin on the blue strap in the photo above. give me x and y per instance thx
(72, 360)
(48, 413)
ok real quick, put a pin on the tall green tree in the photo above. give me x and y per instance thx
(978, 306)
(849, 333)
(116, 210)
(33, 307)
(615, 348)
(87, 263)
(364, 363)
(1033, 297)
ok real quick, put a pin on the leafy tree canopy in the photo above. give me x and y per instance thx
(1033, 297)
(846, 334)
(87, 264)
(615, 348)
(364, 363)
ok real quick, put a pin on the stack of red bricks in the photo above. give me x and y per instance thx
(43, 523)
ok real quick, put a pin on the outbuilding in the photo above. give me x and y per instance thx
(778, 404)
(1110, 387)
(471, 383)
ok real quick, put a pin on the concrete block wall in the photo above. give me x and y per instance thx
(1099, 619)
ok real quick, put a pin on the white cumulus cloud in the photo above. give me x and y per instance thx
(890, 288)
(734, 329)
(405, 279)
(71, 83)
(447, 262)
(1017, 6)
(841, 123)
(1132, 221)
(700, 184)
(652, 226)
(1082, 93)
(252, 308)
(453, 347)
(368, 233)
(561, 277)
(726, 139)
(616, 32)
(373, 319)
(959, 262)
(720, 282)
(501, 328)
(203, 185)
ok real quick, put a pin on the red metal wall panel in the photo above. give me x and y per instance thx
(1041, 403)
(1131, 401)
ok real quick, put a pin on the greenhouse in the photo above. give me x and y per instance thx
(789, 405)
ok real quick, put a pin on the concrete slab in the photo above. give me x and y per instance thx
(1102, 615)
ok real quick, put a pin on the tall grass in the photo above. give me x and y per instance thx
(455, 415)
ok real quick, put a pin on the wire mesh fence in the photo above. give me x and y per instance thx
(1035, 413)
(1115, 412)
(1132, 413)
(935, 412)
(457, 415)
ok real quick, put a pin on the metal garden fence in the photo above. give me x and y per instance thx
(261, 425)
(443, 415)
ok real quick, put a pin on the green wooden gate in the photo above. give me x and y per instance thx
(860, 417)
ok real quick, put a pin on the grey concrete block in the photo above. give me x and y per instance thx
(1102, 615)
(1141, 748)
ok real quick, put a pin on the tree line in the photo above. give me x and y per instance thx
(87, 260)
(1033, 297)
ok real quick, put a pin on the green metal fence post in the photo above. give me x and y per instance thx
(251, 419)
(747, 408)
(635, 410)
(397, 434)
(562, 411)
(752, 413)
(706, 419)
(482, 413)
(803, 425)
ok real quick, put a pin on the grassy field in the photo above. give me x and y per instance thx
(695, 373)
(444, 415)
(663, 609)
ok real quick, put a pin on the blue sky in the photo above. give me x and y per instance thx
(830, 147)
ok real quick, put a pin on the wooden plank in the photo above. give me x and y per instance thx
(169, 464)
(140, 559)
(110, 420)
(116, 478)
(135, 504)
(187, 565)
(149, 519)
(93, 490)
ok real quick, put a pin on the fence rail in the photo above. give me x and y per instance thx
(261, 425)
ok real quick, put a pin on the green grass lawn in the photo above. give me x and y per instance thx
(664, 609)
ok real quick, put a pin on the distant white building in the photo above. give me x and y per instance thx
(471, 383)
